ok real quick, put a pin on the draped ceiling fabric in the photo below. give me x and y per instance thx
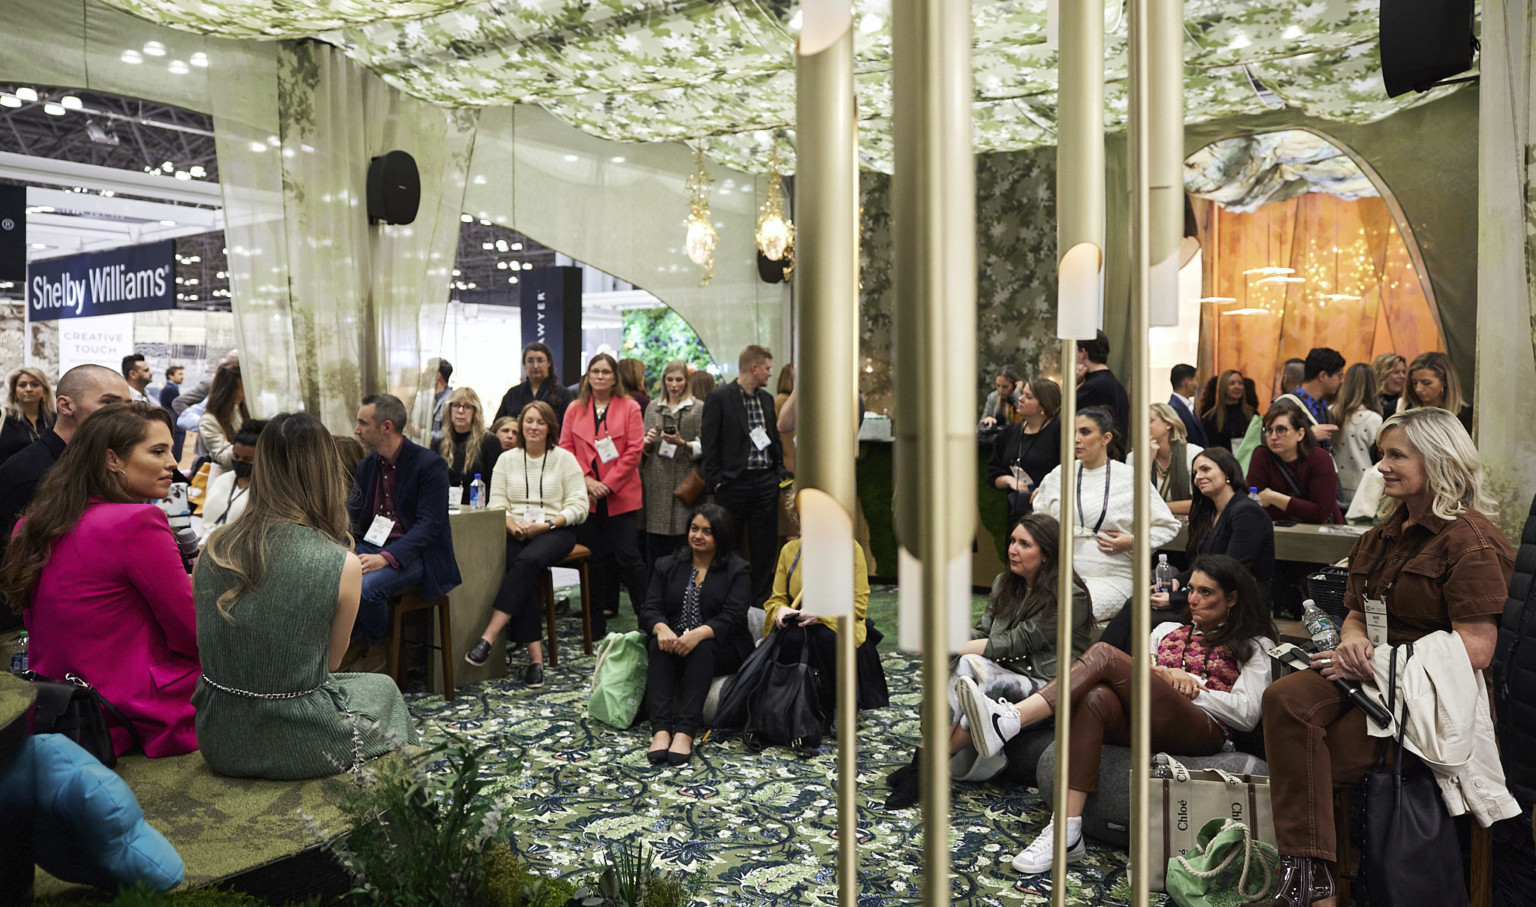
(1357, 288)
(1246, 173)
(720, 73)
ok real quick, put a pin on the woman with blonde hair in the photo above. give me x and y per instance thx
(1438, 571)
(1432, 382)
(1172, 459)
(1391, 372)
(277, 592)
(673, 423)
(469, 449)
(1358, 416)
(28, 411)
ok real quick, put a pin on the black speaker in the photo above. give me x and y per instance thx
(13, 233)
(394, 188)
(1423, 42)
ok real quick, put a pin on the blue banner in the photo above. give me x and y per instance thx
(130, 279)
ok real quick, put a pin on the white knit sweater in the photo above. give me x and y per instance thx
(515, 482)
(1108, 575)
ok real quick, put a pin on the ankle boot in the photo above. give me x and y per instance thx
(1303, 881)
(895, 778)
(906, 783)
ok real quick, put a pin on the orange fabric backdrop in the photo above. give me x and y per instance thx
(1348, 250)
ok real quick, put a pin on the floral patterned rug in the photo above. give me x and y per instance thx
(759, 829)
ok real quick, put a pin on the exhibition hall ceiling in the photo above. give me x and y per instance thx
(719, 74)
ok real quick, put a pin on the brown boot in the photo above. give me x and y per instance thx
(1304, 881)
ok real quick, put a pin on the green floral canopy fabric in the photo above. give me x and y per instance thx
(720, 73)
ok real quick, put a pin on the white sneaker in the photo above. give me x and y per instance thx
(1039, 855)
(993, 724)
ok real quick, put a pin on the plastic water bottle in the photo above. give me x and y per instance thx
(19, 661)
(477, 494)
(1253, 495)
(1319, 626)
(1164, 574)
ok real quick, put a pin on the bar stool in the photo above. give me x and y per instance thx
(576, 560)
(407, 603)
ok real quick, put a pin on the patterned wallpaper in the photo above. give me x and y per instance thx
(1016, 271)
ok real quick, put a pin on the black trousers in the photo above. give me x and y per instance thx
(823, 642)
(675, 688)
(519, 592)
(752, 500)
(615, 562)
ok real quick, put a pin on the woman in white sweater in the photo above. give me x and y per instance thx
(541, 487)
(225, 414)
(1106, 496)
(1358, 416)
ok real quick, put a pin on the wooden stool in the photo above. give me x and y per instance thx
(412, 601)
(576, 560)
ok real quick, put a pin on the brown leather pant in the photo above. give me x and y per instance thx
(1312, 743)
(1101, 704)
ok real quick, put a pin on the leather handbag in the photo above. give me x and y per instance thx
(1182, 800)
(75, 709)
(1411, 853)
(785, 709)
(689, 489)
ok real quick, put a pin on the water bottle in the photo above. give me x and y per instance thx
(19, 662)
(1253, 495)
(1164, 574)
(477, 494)
(1319, 626)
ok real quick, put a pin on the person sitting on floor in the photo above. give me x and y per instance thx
(1210, 670)
(399, 514)
(696, 617)
(98, 576)
(1012, 652)
(277, 592)
(543, 508)
(227, 495)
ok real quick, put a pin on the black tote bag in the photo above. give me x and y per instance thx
(785, 709)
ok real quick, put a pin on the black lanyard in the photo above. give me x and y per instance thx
(1019, 460)
(234, 492)
(1103, 513)
(599, 418)
(543, 465)
(1381, 591)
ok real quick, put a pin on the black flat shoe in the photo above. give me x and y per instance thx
(657, 757)
(905, 791)
(533, 678)
(678, 759)
(480, 654)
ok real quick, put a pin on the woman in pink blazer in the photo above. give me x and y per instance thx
(603, 429)
(98, 577)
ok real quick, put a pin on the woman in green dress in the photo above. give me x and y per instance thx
(277, 592)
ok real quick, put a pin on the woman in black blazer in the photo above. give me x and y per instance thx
(1222, 520)
(696, 617)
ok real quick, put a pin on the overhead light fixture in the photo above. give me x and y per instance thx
(617, 159)
(1270, 271)
(183, 175)
(701, 238)
(167, 223)
(1278, 279)
(1340, 297)
(38, 245)
(571, 158)
(178, 67)
(55, 110)
(154, 48)
(517, 247)
(1217, 299)
(487, 246)
(40, 209)
(99, 134)
(1249, 311)
(71, 102)
(9, 100)
(501, 246)
(132, 57)
(199, 59)
(197, 171)
(775, 233)
(27, 94)
(511, 280)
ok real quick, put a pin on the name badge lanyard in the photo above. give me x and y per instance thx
(599, 425)
(1081, 519)
(234, 493)
(1383, 591)
(527, 483)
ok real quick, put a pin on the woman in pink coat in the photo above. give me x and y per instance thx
(100, 581)
(603, 429)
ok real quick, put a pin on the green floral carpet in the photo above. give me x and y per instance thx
(757, 829)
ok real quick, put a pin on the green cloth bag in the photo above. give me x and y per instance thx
(618, 681)
(1227, 867)
(1252, 441)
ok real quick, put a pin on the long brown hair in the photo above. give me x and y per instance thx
(221, 399)
(1359, 392)
(476, 429)
(80, 475)
(619, 390)
(1219, 401)
(1019, 599)
(297, 480)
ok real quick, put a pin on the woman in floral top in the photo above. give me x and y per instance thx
(1209, 672)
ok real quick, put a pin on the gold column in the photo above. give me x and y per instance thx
(934, 215)
(1139, 385)
(1165, 132)
(826, 279)
(1079, 240)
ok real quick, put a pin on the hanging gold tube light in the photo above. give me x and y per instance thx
(1165, 135)
(827, 181)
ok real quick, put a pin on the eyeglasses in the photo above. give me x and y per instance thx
(1277, 430)
(468, 406)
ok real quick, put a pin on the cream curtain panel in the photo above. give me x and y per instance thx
(331, 308)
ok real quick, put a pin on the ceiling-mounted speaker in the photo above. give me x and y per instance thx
(1423, 42)
(394, 188)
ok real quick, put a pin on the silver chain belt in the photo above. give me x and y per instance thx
(249, 695)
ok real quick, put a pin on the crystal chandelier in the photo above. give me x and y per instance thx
(775, 233)
(702, 238)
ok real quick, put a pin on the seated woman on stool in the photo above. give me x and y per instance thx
(1208, 680)
(1439, 565)
(1222, 520)
(96, 573)
(540, 485)
(277, 593)
(821, 632)
(1012, 652)
(1106, 498)
(696, 617)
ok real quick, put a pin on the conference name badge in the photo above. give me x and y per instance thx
(533, 513)
(1376, 621)
(666, 449)
(607, 451)
(760, 438)
(379, 532)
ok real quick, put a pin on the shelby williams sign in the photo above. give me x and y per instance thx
(131, 279)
